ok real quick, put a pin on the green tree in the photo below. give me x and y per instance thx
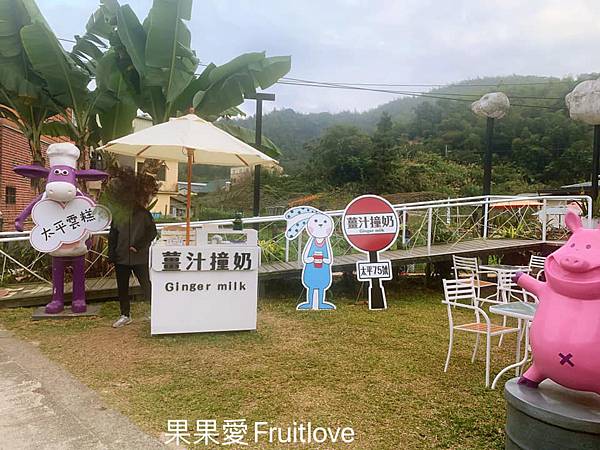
(341, 156)
(384, 152)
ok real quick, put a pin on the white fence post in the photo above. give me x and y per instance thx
(417, 209)
(429, 227)
(544, 220)
(300, 250)
(486, 206)
(404, 225)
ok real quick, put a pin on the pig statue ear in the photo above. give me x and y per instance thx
(32, 171)
(573, 221)
(91, 175)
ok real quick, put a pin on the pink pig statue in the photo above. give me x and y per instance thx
(565, 333)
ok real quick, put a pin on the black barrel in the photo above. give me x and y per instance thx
(551, 417)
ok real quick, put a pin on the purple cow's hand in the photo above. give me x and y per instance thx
(516, 277)
(18, 225)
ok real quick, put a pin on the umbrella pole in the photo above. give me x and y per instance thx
(189, 197)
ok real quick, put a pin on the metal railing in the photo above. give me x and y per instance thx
(422, 224)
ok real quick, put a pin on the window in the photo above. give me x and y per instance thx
(161, 175)
(10, 195)
(160, 172)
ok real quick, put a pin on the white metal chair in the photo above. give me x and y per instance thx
(509, 291)
(461, 294)
(467, 267)
(536, 265)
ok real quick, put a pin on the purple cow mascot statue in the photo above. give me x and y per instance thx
(565, 333)
(61, 189)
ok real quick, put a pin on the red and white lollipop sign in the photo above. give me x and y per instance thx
(370, 224)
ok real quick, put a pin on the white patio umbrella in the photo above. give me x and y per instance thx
(193, 140)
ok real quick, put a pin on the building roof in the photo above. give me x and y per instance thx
(586, 184)
(202, 188)
(179, 200)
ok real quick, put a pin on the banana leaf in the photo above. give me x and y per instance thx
(230, 83)
(116, 120)
(268, 147)
(66, 82)
(168, 47)
(133, 37)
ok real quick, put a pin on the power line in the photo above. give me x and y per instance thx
(330, 83)
(286, 80)
(457, 85)
(499, 84)
(432, 85)
(408, 93)
(442, 95)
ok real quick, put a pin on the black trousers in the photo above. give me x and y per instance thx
(123, 272)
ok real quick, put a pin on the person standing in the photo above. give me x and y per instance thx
(131, 233)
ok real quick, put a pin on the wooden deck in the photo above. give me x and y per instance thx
(35, 294)
(442, 252)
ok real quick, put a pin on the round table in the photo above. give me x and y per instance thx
(524, 312)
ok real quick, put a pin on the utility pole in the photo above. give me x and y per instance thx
(492, 106)
(487, 158)
(259, 97)
(595, 163)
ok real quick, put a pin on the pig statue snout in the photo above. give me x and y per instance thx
(574, 263)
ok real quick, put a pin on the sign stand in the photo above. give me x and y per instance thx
(370, 225)
(377, 299)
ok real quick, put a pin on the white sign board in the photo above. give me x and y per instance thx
(205, 288)
(175, 235)
(366, 270)
(357, 224)
(65, 223)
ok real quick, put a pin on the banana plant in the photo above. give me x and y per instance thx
(147, 66)
(23, 93)
(158, 65)
(67, 84)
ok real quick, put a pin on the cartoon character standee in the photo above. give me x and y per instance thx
(317, 256)
(64, 219)
(565, 333)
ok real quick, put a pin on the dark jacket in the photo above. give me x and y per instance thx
(137, 231)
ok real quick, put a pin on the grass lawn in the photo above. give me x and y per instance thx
(379, 372)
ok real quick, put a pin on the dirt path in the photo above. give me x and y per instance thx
(44, 407)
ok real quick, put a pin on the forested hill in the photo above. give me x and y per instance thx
(443, 122)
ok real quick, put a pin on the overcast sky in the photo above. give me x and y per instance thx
(381, 41)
